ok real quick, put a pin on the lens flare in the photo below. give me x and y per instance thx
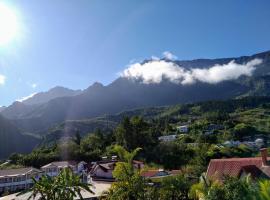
(9, 26)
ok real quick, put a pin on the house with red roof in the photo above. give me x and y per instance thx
(257, 167)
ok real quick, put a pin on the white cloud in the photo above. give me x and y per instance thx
(2, 79)
(155, 58)
(156, 71)
(34, 85)
(169, 56)
(27, 97)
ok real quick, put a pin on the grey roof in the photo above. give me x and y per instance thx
(19, 171)
(61, 164)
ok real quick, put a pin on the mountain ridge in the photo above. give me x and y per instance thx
(123, 94)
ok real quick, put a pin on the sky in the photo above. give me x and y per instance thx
(74, 43)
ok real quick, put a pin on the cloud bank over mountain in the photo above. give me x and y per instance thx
(157, 70)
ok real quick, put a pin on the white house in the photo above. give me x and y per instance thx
(231, 143)
(103, 170)
(167, 138)
(18, 179)
(183, 128)
(54, 168)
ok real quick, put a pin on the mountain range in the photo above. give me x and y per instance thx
(49, 109)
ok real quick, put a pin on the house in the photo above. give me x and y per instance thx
(183, 128)
(257, 167)
(18, 179)
(212, 128)
(167, 138)
(102, 170)
(257, 144)
(54, 168)
(231, 143)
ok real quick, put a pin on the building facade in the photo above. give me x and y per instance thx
(54, 168)
(18, 179)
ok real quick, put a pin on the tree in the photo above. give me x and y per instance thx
(173, 155)
(129, 184)
(199, 190)
(126, 163)
(77, 139)
(69, 185)
(15, 158)
(66, 186)
(264, 190)
(123, 133)
(92, 146)
(232, 188)
(175, 188)
(241, 130)
(133, 133)
(44, 187)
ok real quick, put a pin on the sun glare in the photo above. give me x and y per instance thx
(8, 24)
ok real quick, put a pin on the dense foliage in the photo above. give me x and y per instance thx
(234, 120)
(210, 124)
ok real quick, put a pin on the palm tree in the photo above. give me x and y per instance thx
(69, 185)
(126, 161)
(66, 186)
(124, 155)
(129, 184)
(199, 190)
(45, 188)
(264, 190)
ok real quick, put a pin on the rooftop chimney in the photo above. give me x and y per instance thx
(264, 156)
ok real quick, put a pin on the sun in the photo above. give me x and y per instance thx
(9, 26)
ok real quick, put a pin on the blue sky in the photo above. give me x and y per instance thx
(74, 43)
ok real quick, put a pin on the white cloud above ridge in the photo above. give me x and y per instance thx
(27, 97)
(2, 79)
(158, 70)
(169, 56)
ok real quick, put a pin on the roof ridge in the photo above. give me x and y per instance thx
(247, 158)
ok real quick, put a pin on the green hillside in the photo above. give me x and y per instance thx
(12, 140)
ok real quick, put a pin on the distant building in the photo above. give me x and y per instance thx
(18, 179)
(257, 144)
(257, 167)
(167, 138)
(183, 128)
(54, 168)
(231, 143)
(212, 128)
(102, 170)
(251, 145)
